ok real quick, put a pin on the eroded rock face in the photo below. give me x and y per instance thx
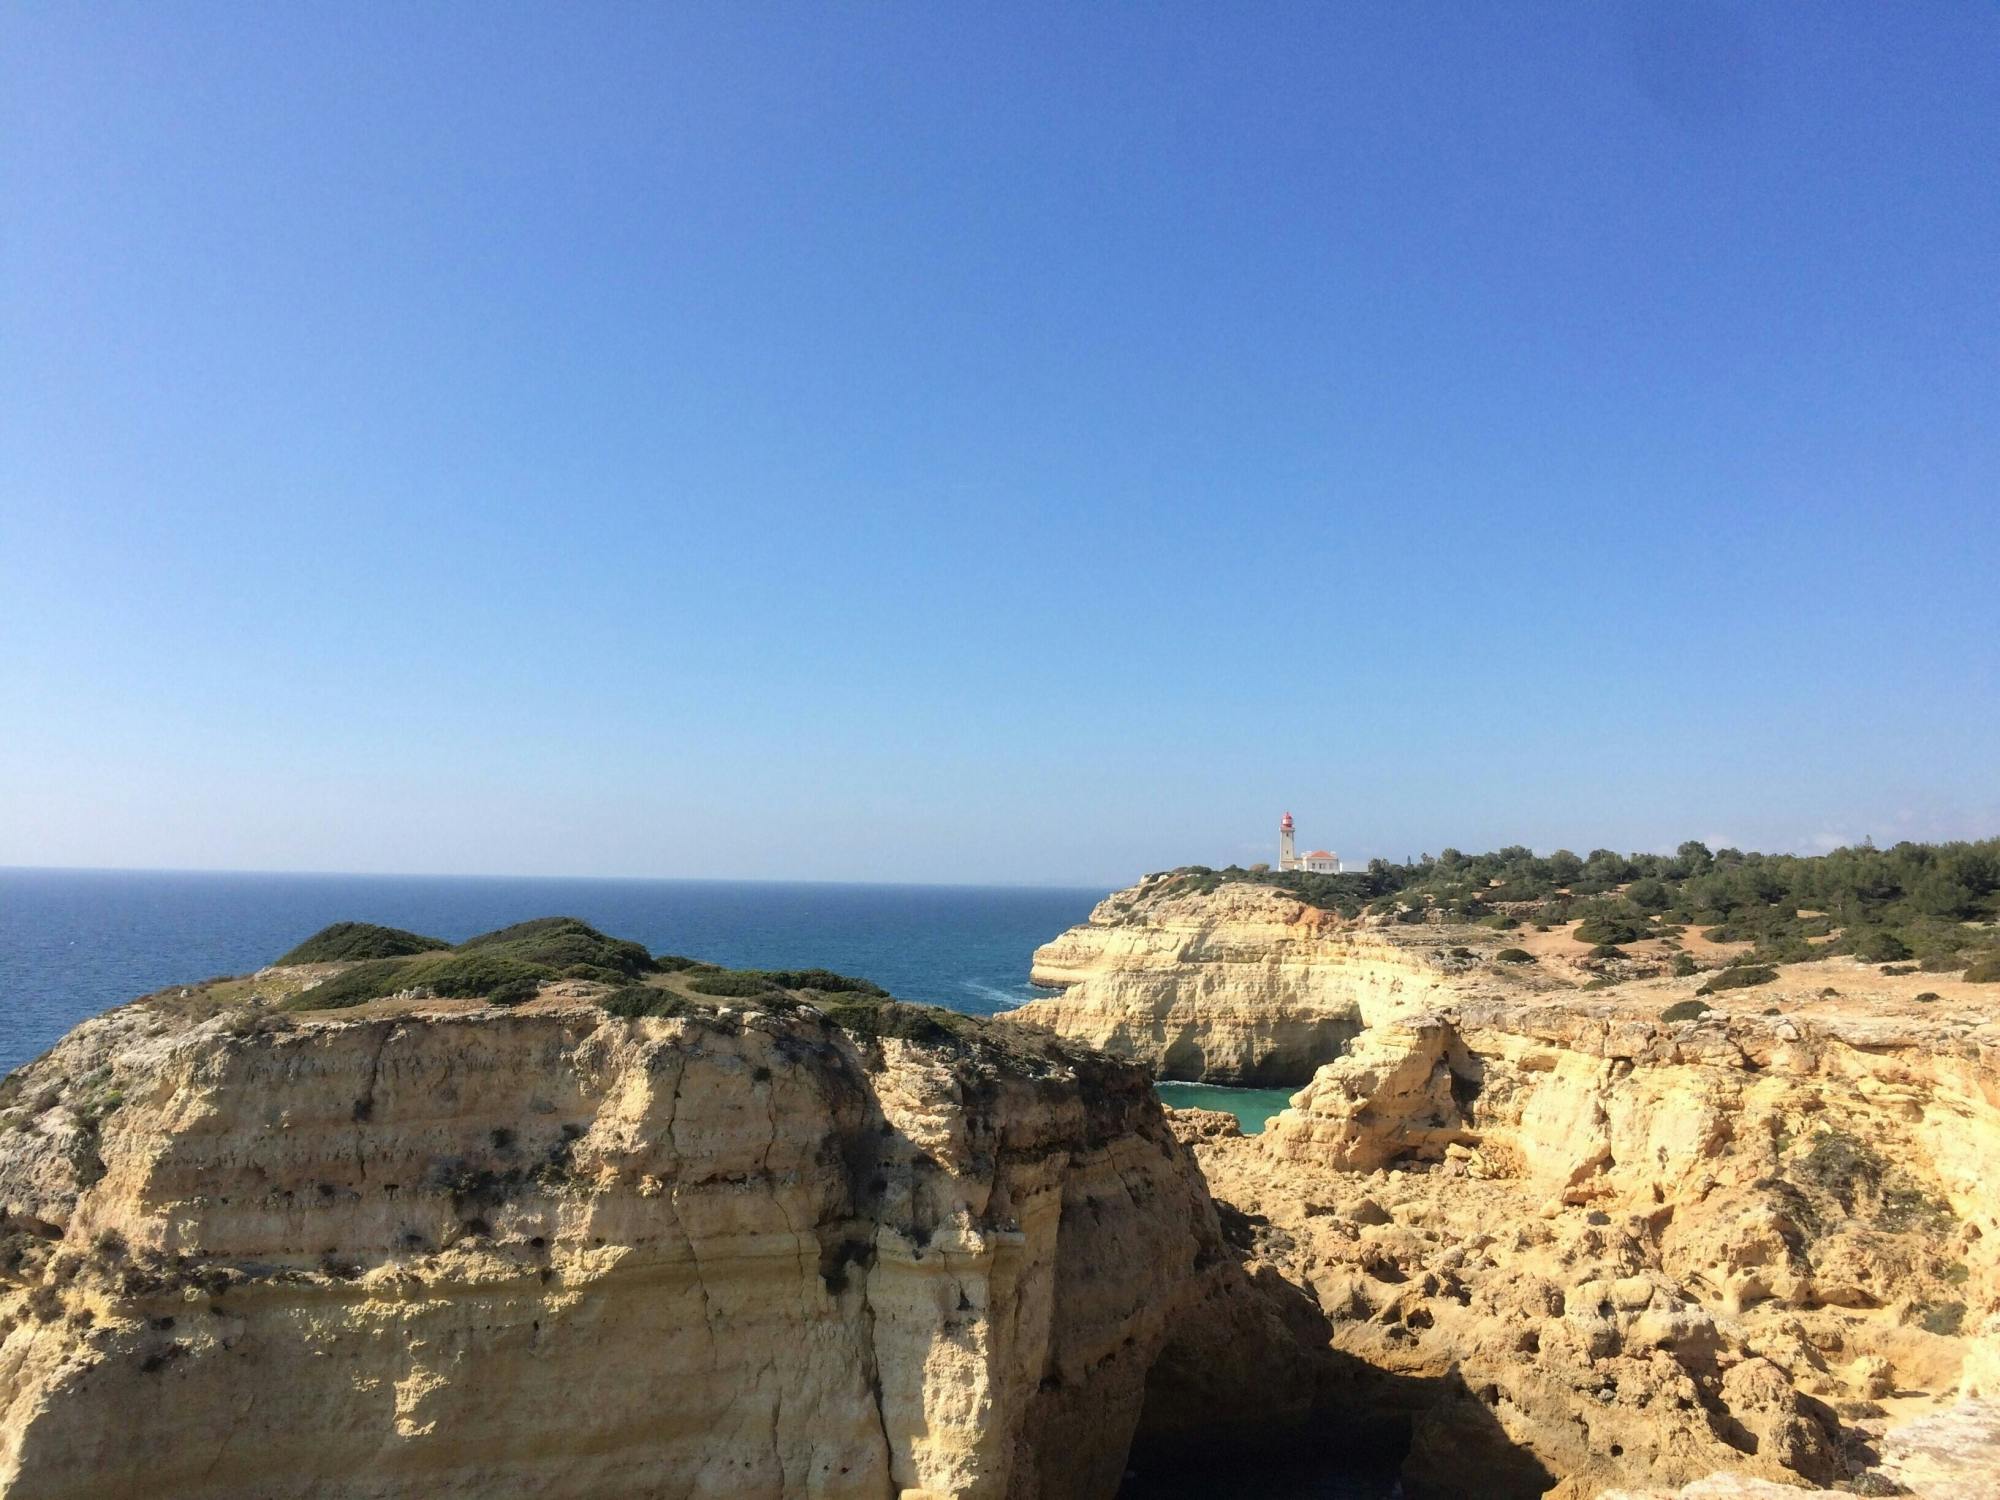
(1750, 1245)
(1244, 985)
(1574, 1246)
(459, 1251)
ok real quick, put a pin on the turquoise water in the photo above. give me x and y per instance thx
(74, 942)
(1253, 1107)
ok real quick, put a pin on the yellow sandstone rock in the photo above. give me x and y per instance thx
(460, 1251)
(1579, 1247)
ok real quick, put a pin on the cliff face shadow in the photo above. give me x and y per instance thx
(1372, 1435)
(1249, 1399)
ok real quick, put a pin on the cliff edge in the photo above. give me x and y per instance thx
(443, 1247)
(1575, 1221)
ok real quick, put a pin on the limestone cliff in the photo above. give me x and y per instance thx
(1571, 1245)
(443, 1249)
(1242, 985)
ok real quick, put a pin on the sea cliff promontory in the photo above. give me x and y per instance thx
(1244, 983)
(1588, 1215)
(650, 1229)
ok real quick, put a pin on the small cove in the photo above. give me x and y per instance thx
(1252, 1107)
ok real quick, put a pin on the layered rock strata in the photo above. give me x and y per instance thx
(441, 1249)
(1576, 1246)
(1242, 985)
(1567, 1244)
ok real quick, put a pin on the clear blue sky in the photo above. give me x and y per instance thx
(1010, 443)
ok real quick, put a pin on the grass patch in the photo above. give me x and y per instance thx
(929, 1024)
(1684, 1010)
(823, 980)
(447, 976)
(678, 963)
(737, 984)
(748, 984)
(636, 1000)
(1513, 956)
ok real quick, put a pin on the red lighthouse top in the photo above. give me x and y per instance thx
(1285, 821)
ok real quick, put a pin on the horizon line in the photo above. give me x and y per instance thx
(988, 885)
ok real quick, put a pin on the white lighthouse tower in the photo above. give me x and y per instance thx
(1288, 856)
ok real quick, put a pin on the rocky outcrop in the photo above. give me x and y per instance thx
(1244, 984)
(442, 1249)
(1953, 1454)
(1564, 1244)
(1750, 1245)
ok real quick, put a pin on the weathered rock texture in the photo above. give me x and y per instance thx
(1245, 985)
(450, 1250)
(1575, 1246)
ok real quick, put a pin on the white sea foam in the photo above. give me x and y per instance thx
(1005, 999)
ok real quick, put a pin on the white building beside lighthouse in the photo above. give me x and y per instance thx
(1315, 862)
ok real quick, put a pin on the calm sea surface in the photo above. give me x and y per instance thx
(73, 942)
(1252, 1107)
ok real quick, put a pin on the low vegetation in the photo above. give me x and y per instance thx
(1933, 904)
(510, 965)
(636, 1000)
(567, 947)
(1684, 1010)
(1838, 1177)
(506, 967)
(1740, 978)
(448, 976)
(348, 942)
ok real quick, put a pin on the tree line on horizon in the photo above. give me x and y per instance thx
(1935, 904)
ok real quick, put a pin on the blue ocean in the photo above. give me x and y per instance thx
(74, 942)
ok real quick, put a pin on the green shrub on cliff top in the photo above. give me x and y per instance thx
(825, 981)
(506, 967)
(741, 984)
(349, 942)
(1684, 1010)
(930, 1024)
(1513, 956)
(1605, 931)
(1876, 945)
(677, 963)
(1739, 978)
(566, 946)
(749, 983)
(509, 966)
(448, 976)
(636, 1000)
